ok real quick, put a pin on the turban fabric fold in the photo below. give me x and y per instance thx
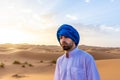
(68, 31)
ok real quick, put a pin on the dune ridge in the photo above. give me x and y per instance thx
(27, 62)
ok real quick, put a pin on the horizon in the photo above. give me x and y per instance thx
(35, 22)
(54, 45)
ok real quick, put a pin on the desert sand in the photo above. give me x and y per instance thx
(37, 62)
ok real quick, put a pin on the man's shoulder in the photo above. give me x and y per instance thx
(61, 57)
(84, 54)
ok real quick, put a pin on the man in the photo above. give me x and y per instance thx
(75, 64)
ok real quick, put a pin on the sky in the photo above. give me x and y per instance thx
(36, 21)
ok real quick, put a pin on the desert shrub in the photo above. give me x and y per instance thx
(41, 61)
(30, 65)
(23, 66)
(18, 75)
(53, 61)
(16, 62)
(2, 65)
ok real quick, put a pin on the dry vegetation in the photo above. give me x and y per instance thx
(24, 59)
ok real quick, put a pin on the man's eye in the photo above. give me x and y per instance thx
(65, 36)
(60, 37)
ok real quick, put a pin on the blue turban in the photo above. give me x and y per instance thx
(68, 31)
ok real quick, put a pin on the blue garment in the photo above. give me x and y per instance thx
(79, 66)
(68, 31)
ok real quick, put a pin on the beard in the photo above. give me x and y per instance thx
(67, 46)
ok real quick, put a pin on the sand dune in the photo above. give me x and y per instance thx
(37, 62)
(109, 69)
(100, 53)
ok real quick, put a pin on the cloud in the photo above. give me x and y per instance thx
(110, 28)
(26, 23)
(72, 17)
(20, 14)
(112, 0)
(99, 35)
(87, 1)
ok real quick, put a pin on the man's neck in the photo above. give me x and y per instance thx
(67, 52)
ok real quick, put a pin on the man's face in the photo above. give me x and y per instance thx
(66, 43)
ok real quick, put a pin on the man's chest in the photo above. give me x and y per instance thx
(72, 68)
